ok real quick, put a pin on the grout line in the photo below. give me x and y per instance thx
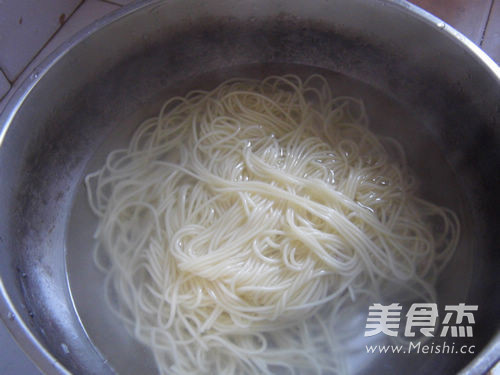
(48, 41)
(483, 34)
(112, 2)
(7, 78)
(4, 95)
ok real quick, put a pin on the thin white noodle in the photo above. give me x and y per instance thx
(240, 221)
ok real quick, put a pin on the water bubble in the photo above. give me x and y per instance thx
(65, 348)
(10, 316)
(441, 25)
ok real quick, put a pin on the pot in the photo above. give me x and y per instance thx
(423, 83)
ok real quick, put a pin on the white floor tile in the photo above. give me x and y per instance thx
(25, 27)
(88, 12)
(4, 85)
(491, 44)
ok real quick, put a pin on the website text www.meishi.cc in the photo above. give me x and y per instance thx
(423, 348)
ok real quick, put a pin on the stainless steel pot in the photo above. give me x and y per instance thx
(423, 83)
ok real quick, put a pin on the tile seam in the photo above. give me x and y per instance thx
(483, 34)
(47, 42)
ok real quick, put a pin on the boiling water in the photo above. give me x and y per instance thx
(387, 117)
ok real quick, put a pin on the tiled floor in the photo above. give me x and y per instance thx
(4, 85)
(87, 12)
(491, 41)
(479, 20)
(29, 33)
(467, 16)
(16, 66)
(25, 28)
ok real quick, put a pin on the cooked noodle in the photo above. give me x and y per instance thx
(240, 221)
